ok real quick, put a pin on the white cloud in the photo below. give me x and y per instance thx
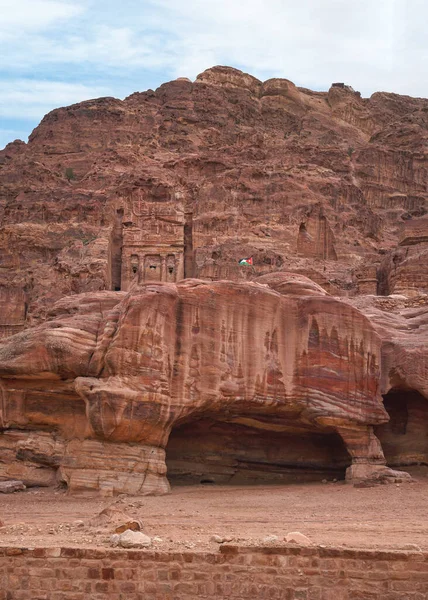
(93, 48)
(372, 45)
(102, 47)
(20, 17)
(31, 99)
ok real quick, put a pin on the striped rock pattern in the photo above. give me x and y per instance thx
(112, 374)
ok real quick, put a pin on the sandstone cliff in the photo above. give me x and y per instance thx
(131, 337)
(186, 180)
(111, 375)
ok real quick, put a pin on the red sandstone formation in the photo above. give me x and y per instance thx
(402, 324)
(188, 179)
(183, 182)
(112, 375)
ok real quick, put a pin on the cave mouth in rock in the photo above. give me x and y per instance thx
(404, 438)
(209, 451)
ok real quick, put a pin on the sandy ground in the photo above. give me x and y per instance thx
(332, 514)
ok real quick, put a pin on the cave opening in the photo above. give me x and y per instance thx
(404, 438)
(211, 451)
(188, 245)
(115, 248)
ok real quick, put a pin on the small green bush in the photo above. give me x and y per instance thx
(69, 173)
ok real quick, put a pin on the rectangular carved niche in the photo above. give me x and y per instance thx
(135, 266)
(152, 267)
(171, 268)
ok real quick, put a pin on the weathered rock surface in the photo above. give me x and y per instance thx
(188, 179)
(11, 486)
(402, 324)
(113, 214)
(405, 269)
(169, 354)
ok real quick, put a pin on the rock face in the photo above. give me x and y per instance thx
(131, 336)
(186, 180)
(404, 270)
(113, 380)
(402, 324)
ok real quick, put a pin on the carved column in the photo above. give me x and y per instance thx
(141, 268)
(179, 266)
(368, 460)
(126, 270)
(163, 268)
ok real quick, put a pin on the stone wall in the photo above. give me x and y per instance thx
(288, 573)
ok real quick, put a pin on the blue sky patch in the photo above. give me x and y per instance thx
(58, 52)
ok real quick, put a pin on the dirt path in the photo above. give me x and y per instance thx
(386, 516)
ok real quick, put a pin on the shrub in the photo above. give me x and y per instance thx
(69, 173)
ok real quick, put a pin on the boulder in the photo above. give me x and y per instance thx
(11, 486)
(295, 537)
(133, 539)
(221, 539)
(130, 525)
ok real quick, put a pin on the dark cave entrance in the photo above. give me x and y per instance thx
(404, 438)
(188, 246)
(115, 258)
(211, 451)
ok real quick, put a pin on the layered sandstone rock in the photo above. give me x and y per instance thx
(402, 324)
(114, 358)
(112, 375)
(405, 269)
(186, 180)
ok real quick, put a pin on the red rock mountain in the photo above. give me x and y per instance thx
(190, 178)
(111, 364)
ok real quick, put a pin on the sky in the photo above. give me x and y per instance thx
(58, 52)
